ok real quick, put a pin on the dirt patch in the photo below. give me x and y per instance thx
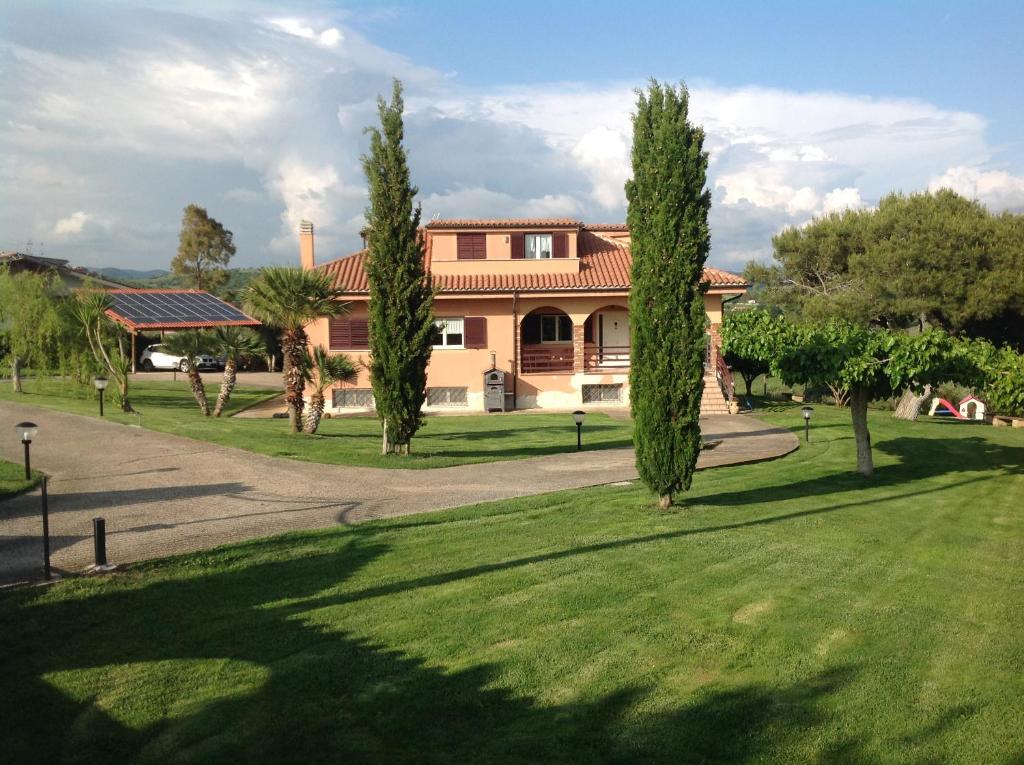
(826, 643)
(750, 613)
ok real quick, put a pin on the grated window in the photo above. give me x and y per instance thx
(353, 398)
(602, 393)
(447, 397)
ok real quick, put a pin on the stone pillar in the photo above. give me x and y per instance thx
(578, 350)
(714, 330)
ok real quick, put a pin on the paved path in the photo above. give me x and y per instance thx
(163, 494)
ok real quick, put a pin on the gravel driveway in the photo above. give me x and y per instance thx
(162, 494)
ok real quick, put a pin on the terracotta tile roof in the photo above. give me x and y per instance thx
(505, 223)
(604, 265)
(606, 226)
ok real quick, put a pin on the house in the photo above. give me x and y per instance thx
(70, 276)
(542, 300)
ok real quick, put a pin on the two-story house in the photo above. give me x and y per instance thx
(544, 301)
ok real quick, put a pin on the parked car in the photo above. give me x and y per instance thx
(156, 357)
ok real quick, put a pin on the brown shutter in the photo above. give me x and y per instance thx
(348, 334)
(475, 332)
(518, 246)
(471, 246)
(560, 245)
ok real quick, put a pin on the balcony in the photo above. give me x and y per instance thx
(606, 358)
(546, 359)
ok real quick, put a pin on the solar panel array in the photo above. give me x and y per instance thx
(174, 308)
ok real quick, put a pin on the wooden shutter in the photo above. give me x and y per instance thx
(475, 332)
(560, 245)
(518, 246)
(348, 334)
(471, 246)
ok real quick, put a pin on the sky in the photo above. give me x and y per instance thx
(114, 116)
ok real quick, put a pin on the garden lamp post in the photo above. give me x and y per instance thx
(577, 417)
(101, 385)
(806, 412)
(26, 432)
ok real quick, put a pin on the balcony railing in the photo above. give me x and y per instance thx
(538, 359)
(606, 357)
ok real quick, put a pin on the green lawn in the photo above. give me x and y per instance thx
(443, 441)
(793, 612)
(12, 479)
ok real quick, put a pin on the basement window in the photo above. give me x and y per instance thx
(352, 398)
(447, 397)
(602, 394)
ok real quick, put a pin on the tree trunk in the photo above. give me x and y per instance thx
(293, 342)
(16, 374)
(859, 413)
(198, 390)
(910, 404)
(227, 385)
(839, 395)
(748, 380)
(665, 501)
(385, 445)
(314, 413)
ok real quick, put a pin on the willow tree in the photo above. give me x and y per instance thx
(668, 223)
(401, 295)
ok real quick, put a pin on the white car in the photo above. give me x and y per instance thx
(156, 357)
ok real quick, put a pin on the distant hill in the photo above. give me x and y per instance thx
(131, 274)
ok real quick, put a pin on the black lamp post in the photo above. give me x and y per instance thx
(577, 417)
(806, 412)
(101, 385)
(26, 432)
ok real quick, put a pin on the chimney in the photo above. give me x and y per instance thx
(306, 245)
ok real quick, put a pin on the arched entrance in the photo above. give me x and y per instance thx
(546, 341)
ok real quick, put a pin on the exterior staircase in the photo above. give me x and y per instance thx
(712, 402)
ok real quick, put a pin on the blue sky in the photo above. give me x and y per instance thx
(115, 115)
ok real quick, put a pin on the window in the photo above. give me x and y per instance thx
(353, 398)
(447, 397)
(598, 394)
(538, 246)
(448, 333)
(555, 329)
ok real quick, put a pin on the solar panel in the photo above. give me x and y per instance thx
(174, 308)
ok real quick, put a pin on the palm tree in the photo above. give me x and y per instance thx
(289, 299)
(192, 343)
(233, 343)
(329, 369)
(106, 339)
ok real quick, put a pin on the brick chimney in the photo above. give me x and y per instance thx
(306, 246)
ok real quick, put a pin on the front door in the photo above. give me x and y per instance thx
(614, 339)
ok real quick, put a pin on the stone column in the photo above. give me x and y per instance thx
(578, 350)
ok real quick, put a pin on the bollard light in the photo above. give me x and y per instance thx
(577, 417)
(26, 432)
(806, 412)
(101, 385)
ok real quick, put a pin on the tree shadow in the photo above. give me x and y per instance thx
(315, 693)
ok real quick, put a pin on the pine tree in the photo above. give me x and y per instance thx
(204, 248)
(668, 223)
(401, 294)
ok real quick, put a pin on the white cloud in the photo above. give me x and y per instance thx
(480, 202)
(840, 199)
(997, 189)
(72, 224)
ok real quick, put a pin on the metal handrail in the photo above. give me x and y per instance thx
(723, 373)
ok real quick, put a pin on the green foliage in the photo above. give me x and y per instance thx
(401, 295)
(204, 249)
(668, 220)
(289, 299)
(235, 343)
(107, 341)
(190, 343)
(928, 259)
(746, 343)
(1004, 389)
(30, 321)
(324, 368)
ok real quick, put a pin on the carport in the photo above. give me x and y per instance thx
(146, 310)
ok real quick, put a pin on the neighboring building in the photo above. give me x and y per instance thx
(72, 278)
(544, 300)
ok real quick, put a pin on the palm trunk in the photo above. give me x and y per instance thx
(292, 344)
(859, 413)
(16, 374)
(314, 413)
(198, 390)
(227, 385)
(910, 404)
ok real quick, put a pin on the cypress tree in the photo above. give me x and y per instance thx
(668, 223)
(401, 294)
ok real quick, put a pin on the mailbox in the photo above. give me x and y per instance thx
(494, 390)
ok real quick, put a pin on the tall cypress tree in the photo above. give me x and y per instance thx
(668, 223)
(401, 294)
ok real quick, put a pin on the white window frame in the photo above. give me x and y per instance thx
(534, 246)
(445, 327)
(558, 318)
